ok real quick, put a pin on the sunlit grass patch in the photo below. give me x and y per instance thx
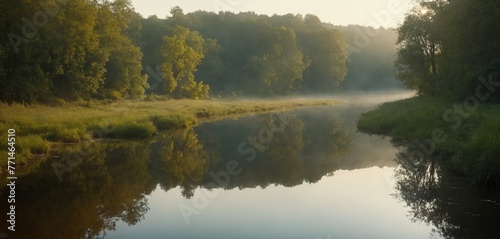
(480, 154)
(174, 121)
(41, 125)
(67, 135)
(26, 148)
(413, 118)
(32, 144)
(132, 130)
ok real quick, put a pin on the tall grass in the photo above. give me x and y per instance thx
(410, 119)
(38, 127)
(472, 148)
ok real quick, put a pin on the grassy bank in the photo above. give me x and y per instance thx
(39, 127)
(466, 139)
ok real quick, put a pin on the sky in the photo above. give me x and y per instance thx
(386, 13)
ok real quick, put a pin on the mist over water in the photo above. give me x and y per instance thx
(373, 98)
(356, 98)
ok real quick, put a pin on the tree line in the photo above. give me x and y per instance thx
(69, 50)
(82, 49)
(445, 46)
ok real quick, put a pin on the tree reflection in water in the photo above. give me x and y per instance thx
(109, 186)
(113, 181)
(183, 161)
(304, 151)
(436, 196)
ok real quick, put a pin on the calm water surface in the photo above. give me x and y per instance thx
(301, 174)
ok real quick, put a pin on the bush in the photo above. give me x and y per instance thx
(66, 135)
(175, 121)
(132, 130)
(32, 144)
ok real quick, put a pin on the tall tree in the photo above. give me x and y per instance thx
(123, 76)
(278, 67)
(81, 61)
(327, 50)
(419, 44)
(182, 53)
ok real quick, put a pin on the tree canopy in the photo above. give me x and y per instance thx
(444, 47)
(82, 50)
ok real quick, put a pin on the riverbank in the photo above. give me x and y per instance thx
(465, 137)
(39, 127)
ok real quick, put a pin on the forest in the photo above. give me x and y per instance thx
(57, 51)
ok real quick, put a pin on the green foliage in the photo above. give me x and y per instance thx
(471, 149)
(445, 46)
(38, 125)
(132, 130)
(123, 77)
(32, 144)
(399, 118)
(418, 46)
(103, 50)
(254, 54)
(479, 155)
(66, 135)
(327, 51)
(278, 66)
(182, 53)
(87, 51)
(174, 121)
(78, 62)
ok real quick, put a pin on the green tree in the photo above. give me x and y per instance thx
(24, 54)
(80, 61)
(327, 50)
(419, 45)
(182, 53)
(151, 34)
(123, 76)
(469, 31)
(278, 68)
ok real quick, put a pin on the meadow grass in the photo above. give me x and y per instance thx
(38, 127)
(471, 148)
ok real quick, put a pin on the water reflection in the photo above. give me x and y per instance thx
(182, 161)
(436, 196)
(109, 187)
(300, 149)
(113, 181)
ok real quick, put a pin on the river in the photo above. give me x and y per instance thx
(306, 173)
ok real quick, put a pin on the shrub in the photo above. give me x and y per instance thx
(174, 121)
(132, 130)
(66, 135)
(33, 144)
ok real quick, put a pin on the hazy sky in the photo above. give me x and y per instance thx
(339, 12)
